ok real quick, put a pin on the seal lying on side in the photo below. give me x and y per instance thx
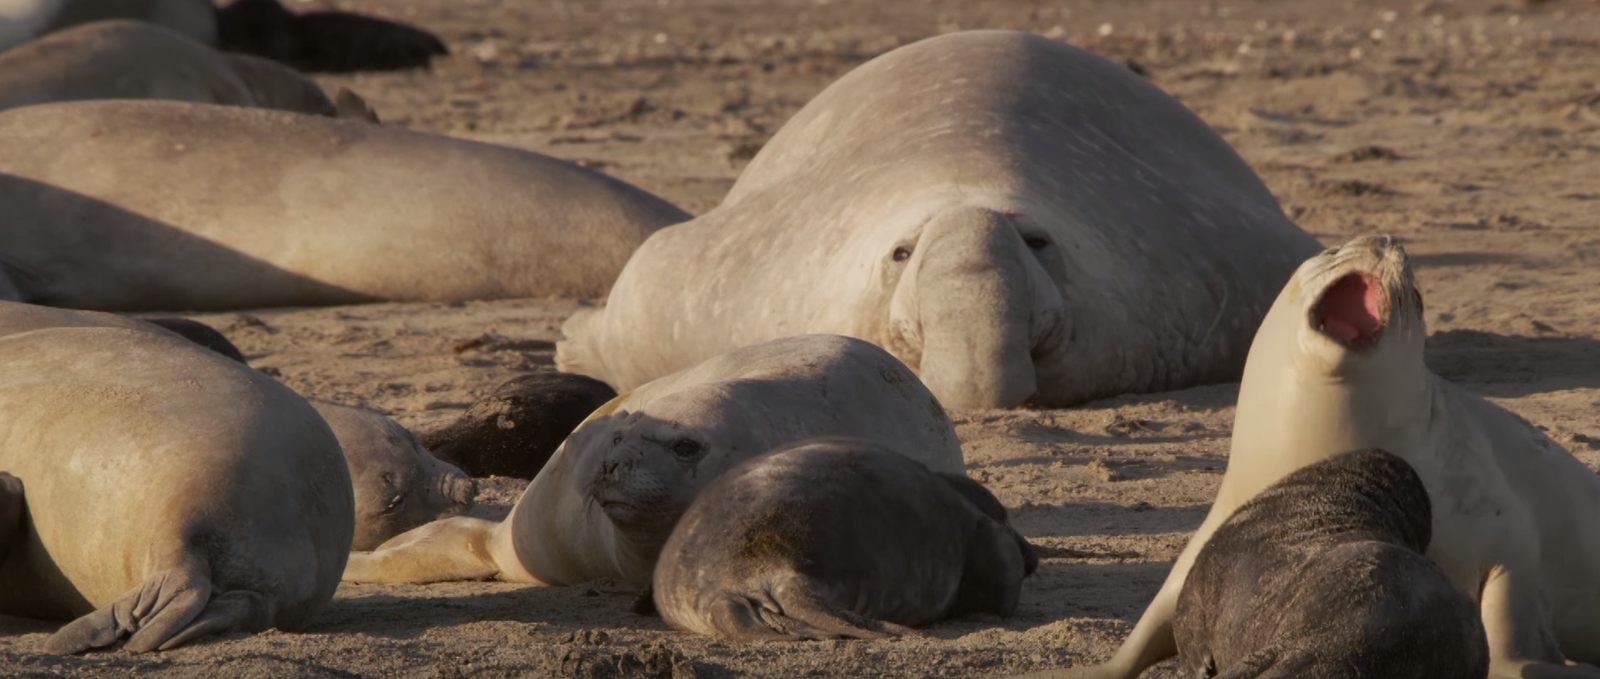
(607, 500)
(515, 430)
(838, 537)
(1014, 218)
(398, 484)
(125, 59)
(170, 493)
(24, 20)
(1322, 576)
(319, 211)
(1338, 365)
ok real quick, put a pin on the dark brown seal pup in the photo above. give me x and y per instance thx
(515, 430)
(1322, 576)
(326, 41)
(837, 537)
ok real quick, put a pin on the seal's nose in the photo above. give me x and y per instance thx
(461, 490)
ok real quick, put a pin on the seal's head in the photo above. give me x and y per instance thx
(646, 465)
(1359, 304)
(398, 484)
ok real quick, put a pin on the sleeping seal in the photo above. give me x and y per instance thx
(608, 499)
(1016, 219)
(1322, 576)
(170, 493)
(837, 538)
(515, 430)
(267, 208)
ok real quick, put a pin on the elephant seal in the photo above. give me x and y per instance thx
(515, 430)
(125, 59)
(170, 493)
(11, 512)
(324, 41)
(201, 334)
(24, 20)
(398, 484)
(1322, 576)
(838, 538)
(320, 211)
(1017, 219)
(1338, 365)
(608, 499)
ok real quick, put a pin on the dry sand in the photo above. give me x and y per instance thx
(1468, 128)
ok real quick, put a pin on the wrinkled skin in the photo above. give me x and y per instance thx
(398, 484)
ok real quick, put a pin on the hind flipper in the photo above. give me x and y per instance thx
(158, 610)
(456, 548)
(236, 611)
(816, 619)
(348, 104)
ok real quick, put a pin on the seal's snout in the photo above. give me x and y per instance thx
(461, 490)
(1352, 310)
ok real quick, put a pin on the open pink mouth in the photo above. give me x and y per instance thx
(1351, 310)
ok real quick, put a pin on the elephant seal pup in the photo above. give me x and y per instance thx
(1016, 219)
(201, 334)
(1338, 365)
(124, 59)
(837, 537)
(24, 20)
(1322, 576)
(398, 484)
(170, 493)
(607, 500)
(515, 430)
(324, 41)
(320, 211)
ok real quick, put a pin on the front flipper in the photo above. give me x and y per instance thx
(456, 548)
(1520, 643)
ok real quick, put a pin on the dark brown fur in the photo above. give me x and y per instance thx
(838, 537)
(1322, 576)
(11, 511)
(327, 42)
(515, 430)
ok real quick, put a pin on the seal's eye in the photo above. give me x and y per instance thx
(1036, 242)
(902, 253)
(395, 504)
(686, 448)
(616, 440)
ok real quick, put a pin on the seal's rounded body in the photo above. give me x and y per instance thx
(837, 537)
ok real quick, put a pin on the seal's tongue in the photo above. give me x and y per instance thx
(1351, 309)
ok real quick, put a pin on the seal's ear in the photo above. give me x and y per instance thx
(11, 510)
(348, 104)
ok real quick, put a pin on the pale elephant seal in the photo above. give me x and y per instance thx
(124, 59)
(834, 538)
(1322, 576)
(608, 499)
(24, 20)
(1338, 365)
(1015, 218)
(170, 493)
(398, 484)
(515, 430)
(114, 205)
(324, 41)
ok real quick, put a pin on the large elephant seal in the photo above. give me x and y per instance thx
(1014, 218)
(838, 538)
(170, 493)
(1338, 365)
(124, 59)
(1322, 576)
(514, 430)
(398, 484)
(24, 20)
(130, 205)
(608, 499)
